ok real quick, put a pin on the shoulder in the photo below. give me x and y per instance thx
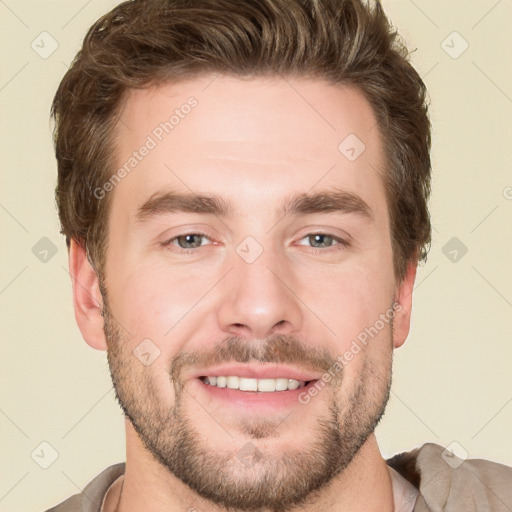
(93, 492)
(448, 482)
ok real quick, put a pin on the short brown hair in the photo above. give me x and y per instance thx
(147, 42)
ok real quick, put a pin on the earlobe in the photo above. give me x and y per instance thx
(403, 301)
(87, 300)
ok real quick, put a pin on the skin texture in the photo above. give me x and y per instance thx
(255, 143)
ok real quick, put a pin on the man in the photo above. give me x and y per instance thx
(243, 187)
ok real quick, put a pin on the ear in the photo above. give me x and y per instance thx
(403, 301)
(87, 300)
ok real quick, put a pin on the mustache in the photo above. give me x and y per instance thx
(279, 349)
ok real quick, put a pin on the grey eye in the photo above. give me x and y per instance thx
(190, 241)
(320, 240)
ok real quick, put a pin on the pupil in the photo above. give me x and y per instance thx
(323, 240)
(189, 239)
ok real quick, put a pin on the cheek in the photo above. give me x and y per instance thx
(153, 299)
(348, 300)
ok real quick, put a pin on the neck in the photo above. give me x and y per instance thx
(365, 485)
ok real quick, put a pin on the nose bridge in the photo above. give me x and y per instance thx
(258, 298)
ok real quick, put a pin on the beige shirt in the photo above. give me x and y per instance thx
(404, 493)
(112, 496)
(445, 483)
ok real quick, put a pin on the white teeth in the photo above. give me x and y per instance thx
(262, 385)
(281, 384)
(248, 384)
(266, 385)
(232, 382)
(293, 384)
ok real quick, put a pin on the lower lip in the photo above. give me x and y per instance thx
(253, 400)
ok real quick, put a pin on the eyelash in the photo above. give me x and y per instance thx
(341, 243)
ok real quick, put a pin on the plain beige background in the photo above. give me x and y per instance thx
(452, 381)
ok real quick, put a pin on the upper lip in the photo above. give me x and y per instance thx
(259, 371)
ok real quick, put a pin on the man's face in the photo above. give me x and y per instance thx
(247, 286)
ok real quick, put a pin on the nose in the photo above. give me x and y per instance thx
(259, 299)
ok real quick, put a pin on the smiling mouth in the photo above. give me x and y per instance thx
(255, 385)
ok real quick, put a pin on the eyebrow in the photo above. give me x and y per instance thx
(332, 201)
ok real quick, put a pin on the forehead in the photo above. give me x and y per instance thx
(246, 138)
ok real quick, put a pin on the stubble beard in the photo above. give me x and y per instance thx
(262, 481)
